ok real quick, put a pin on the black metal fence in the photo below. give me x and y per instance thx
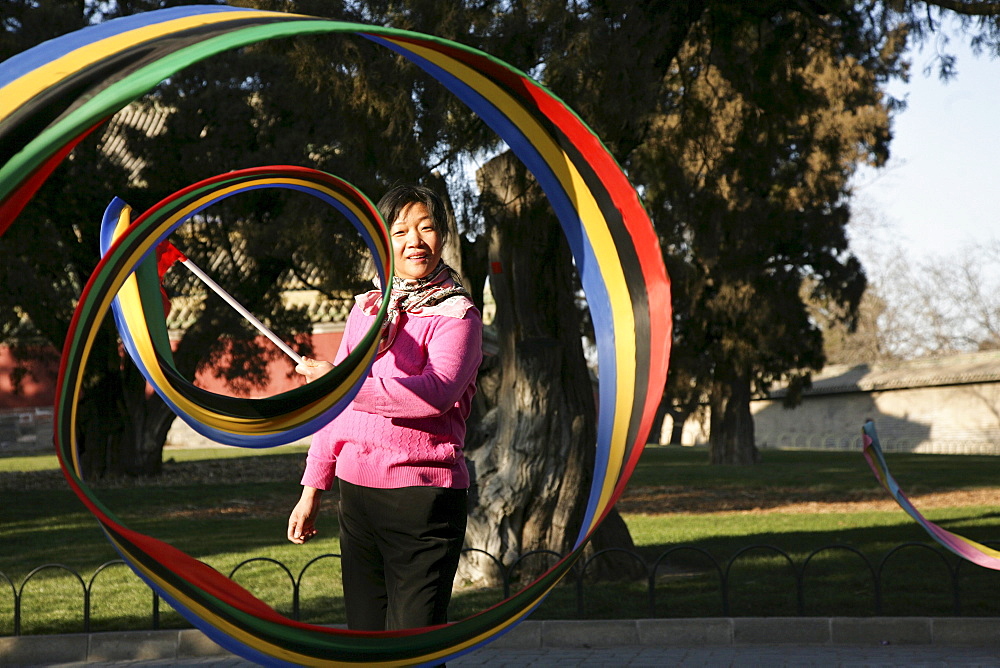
(795, 575)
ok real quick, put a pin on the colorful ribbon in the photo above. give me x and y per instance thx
(138, 310)
(56, 93)
(975, 552)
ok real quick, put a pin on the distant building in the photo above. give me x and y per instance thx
(941, 405)
(27, 392)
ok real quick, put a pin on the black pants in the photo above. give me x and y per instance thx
(399, 553)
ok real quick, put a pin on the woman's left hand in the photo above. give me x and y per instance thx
(302, 521)
(312, 369)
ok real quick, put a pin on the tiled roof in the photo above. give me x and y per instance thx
(132, 116)
(321, 309)
(960, 369)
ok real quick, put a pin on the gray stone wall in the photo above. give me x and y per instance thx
(950, 419)
(25, 430)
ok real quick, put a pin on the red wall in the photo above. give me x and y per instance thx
(37, 388)
(279, 369)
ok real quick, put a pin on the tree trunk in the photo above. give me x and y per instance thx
(122, 424)
(678, 418)
(656, 431)
(149, 421)
(677, 429)
(731, 439)
(531, 442)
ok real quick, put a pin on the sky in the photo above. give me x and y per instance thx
(940, 190)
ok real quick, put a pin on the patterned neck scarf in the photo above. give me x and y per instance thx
(439, 293)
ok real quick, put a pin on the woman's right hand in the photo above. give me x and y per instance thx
(312, 369)
(302, 521)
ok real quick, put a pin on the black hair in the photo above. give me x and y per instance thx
(399, 197)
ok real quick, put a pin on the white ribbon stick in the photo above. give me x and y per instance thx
(196, 270)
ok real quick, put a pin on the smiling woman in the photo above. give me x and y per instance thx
(416, 242)
(397, 449)
(418, 227)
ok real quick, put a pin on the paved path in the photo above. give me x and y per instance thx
(710, 642)
(764, 656)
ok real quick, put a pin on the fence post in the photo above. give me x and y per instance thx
(749, 548)
(27, 578)
(932, 549)
(296, 596)
(16, 606)
(586, 564)
(271, 560)
(848, 548)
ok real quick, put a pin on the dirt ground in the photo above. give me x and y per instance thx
(661, 500)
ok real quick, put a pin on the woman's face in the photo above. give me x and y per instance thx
(416, 244)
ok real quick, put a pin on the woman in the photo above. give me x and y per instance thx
(397, 448)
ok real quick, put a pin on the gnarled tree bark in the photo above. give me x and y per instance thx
(531, 444)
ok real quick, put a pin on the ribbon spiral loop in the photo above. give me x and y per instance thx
(53, 95)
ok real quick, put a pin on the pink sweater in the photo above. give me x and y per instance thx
(406, 426)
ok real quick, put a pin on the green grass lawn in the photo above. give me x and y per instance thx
(842, 473)
(227, 505)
